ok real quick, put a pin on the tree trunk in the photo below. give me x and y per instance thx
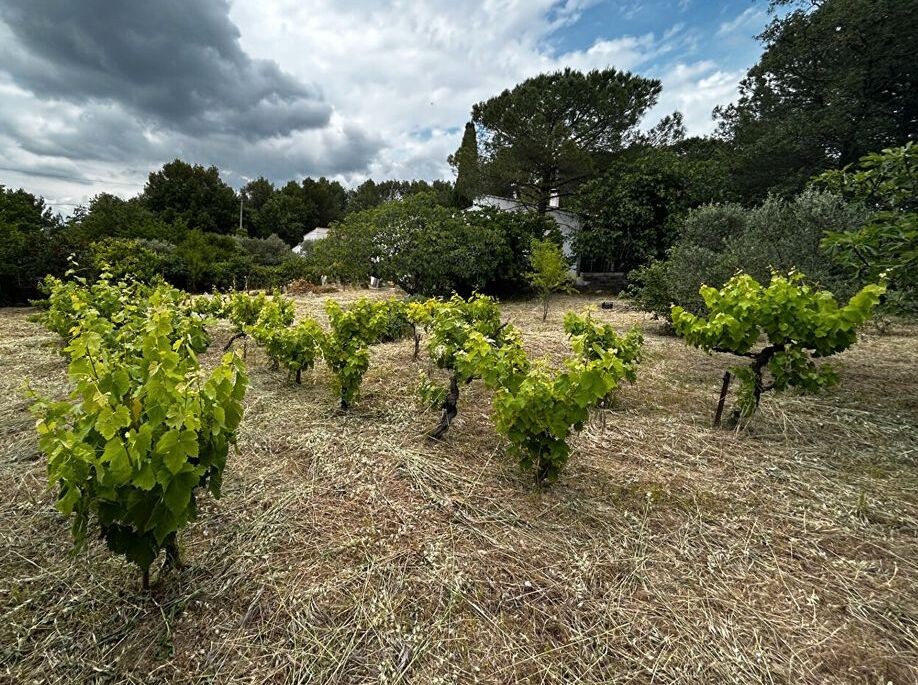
(450, 409)
(417, 341)
(299, 376)
(758, 367)
(723, 396)
(233, 339)
(173, 559)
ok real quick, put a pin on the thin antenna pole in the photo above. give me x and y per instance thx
(241, 200)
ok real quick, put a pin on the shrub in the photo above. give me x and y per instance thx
(885, 243)
(596, 338)
(537, 407)
(450, 325)
(295, 348)
(799, 323)
(718, 240)
(346, 346)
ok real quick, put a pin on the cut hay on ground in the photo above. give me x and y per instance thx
(347, 548)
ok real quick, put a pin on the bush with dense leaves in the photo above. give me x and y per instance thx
(537, 406)
(885, 244)
(716, 241)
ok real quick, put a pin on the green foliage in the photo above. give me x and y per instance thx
(243, 309)
(395, 325)
(144, 427)
(416, 243)
(512, 234)
(115, 309)
(631, 213)
(371, 194)
(550, 272)
(295, 348)
(449, 324)
(799, 323)
(537, 407)
(431, 395)
(192, 194)
(886, 243)
(596, 338)
(346, 346)
(109, 216)
(136, 259)
(30, 245)
(465, 162)
(550, 131)
(716, 241)
(836, 81)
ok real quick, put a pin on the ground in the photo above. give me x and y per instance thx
(348, 548)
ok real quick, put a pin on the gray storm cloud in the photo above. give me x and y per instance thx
(177, 62)
(157, 79)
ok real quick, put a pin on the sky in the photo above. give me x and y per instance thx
(95, 94)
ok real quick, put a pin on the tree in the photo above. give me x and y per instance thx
(30, 245)
(513, 234)
(426, 248)
(465, 162)
(370, 194)
(545, 135)
(193, 194)
(835, 82)
(550, 272)
(886, 244)
(631, 213)
(289, 214)
(254, 196)
(109, 216)
(328, 197)
(715, 241)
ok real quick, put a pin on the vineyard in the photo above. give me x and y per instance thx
(360, 488)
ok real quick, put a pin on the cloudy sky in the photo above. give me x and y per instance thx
(94, 94)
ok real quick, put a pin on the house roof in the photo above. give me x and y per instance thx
(318, 233)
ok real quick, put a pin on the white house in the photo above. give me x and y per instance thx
(568, 222)
(317, 233)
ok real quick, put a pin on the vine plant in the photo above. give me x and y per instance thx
(799, 323)
(143, 429)
(449, 325)
(536, 406)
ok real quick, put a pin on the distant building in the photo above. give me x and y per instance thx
(568, 222)
(315, 234)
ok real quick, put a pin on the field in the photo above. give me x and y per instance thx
(348, 548)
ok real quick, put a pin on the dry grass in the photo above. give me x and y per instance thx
(349, 549)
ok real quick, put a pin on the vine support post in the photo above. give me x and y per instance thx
(723, 397)
(145, 579)
(417, 341)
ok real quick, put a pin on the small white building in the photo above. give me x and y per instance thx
(318, 233)
(568, 222)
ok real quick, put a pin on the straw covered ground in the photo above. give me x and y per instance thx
(348, 548)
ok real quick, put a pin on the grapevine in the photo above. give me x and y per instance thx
(801, 324)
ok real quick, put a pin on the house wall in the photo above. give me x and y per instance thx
(568, 223)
